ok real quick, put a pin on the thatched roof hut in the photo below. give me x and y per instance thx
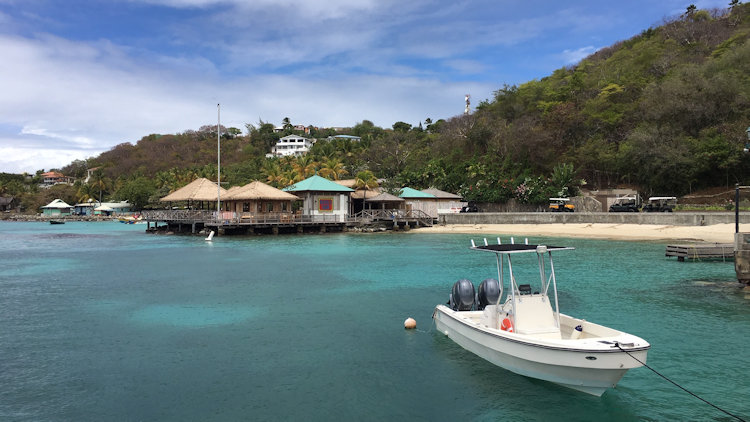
(258, 197)
(200, 189)
(258, 191)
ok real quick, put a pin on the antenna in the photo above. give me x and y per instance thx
(468, 103)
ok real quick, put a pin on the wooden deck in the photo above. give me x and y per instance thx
(699, 251)
(231, 222)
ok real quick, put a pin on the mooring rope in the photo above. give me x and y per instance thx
(679, 386)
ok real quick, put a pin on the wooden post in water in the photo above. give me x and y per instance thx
(741, 242)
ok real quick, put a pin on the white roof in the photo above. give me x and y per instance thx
(559, 199)
(657, 198)
(58, 203)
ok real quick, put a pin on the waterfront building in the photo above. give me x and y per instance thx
(323, 199)
(446, 201)
(419, 201)
(57, 207)
(198, 191)
(258, 201)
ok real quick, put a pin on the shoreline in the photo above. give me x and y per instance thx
(717, 233)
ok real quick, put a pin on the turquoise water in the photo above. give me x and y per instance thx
(100, 321)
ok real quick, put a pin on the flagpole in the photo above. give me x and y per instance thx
(218, 160)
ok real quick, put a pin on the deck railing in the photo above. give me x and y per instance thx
(229, 217)
(395, 215)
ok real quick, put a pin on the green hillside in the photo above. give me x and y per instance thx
(665, 111)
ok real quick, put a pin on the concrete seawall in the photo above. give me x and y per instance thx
(668, 219)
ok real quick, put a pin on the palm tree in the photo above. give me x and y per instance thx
(85, 192)
(304, 166)
(334, 168)
(274, 174)
(99, 182)
(365, 180)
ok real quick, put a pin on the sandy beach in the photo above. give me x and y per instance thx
(719, 233)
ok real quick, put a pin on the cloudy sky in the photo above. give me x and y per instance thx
(79, 77)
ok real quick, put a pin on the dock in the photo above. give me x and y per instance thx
(225, 222)
(700, 251)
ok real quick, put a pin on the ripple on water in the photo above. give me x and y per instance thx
(192, 316)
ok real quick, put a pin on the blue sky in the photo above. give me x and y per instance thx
(79, 77)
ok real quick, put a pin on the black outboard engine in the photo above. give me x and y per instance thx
(489, 293)
(462, 295)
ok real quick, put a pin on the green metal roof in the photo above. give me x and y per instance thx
(317, 184)
(413, 193)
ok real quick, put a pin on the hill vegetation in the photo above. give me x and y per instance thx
(665, 111)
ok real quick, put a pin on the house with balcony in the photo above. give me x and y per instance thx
(52, 178)
(291, 145)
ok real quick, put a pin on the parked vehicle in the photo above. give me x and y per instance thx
(660, 204)
(627, 203)
(561, 205)
(470, 207)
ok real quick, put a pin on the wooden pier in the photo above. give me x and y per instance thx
(225, 222)
(700, 251)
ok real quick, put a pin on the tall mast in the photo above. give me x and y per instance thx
(218, 160)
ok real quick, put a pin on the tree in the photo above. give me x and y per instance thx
(137, 191)
(365, 180)
(99, 182)
(401, 127)
(333, 168)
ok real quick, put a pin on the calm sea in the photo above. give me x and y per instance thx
(102, 322)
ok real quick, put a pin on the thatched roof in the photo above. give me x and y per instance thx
(385, 197)
(441, 194)
(200, 189)
(258, 190)
(349, 183)
(371, 193)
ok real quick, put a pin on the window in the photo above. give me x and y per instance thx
(283, 206)
(245, 207)
(269, 206)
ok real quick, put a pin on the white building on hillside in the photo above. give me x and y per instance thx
(291, 145)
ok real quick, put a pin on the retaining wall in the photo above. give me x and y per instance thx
(664, 218)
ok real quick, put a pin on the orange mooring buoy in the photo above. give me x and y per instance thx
(410, 323)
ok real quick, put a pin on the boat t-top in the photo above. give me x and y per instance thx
(526, 335)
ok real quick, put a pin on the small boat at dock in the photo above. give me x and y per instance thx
(56, 222)
(526, 335)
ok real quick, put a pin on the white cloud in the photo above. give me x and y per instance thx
(95, 97)
(19, 160)
(575, 56)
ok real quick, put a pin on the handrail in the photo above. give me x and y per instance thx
(229, 217)
(394, 215)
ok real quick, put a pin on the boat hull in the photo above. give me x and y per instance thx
(588, 365)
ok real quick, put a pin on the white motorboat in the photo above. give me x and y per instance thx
(525, 335)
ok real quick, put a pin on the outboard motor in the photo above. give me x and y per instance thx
(489, 293)
(462, 295)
